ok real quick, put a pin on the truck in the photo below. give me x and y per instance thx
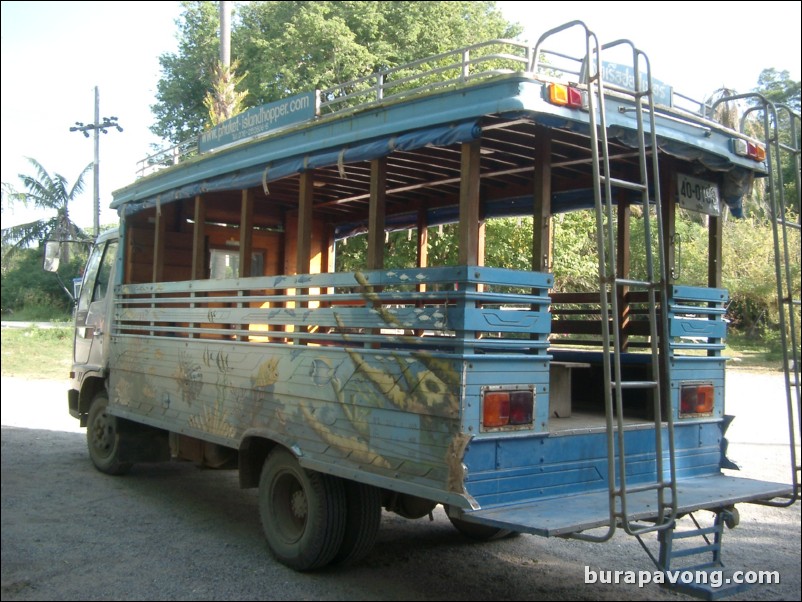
(234, 321)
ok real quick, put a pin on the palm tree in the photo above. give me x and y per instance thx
(44, 192)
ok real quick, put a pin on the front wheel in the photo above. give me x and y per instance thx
(303, 512)
(103, 437)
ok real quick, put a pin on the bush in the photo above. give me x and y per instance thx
(27, 288)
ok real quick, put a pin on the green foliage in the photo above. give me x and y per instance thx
(289, 47)
(27, 288)
(779, 88)
(43, 191)
(400, 250)
(748, 257)
(508, 243)
(188, 74)
(575, 252)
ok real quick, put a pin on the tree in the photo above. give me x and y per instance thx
(290, 47)
(779, 88)
(188, 75)
(224, 101)
(28, 288)
(44, 192)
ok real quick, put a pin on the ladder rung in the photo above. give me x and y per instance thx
(628, 282)
(695, 532)
(644, 487)
(695, 551)
(705, 566)
(636, 384)
(782, 222)
(625, 184)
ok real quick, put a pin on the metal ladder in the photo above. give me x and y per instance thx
(704, 557)
(654, 283)
(788, 305)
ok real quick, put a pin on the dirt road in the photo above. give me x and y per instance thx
(176, 532)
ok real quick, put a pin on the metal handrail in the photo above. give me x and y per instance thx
(452, 68)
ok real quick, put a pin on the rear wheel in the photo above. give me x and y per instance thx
(103, 437)
(361, 524)
(303, 512)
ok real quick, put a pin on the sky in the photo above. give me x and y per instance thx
(54, 54)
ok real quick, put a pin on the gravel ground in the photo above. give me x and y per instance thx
(176, 532)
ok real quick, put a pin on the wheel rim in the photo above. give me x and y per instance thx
(289, 506)
(103, 434)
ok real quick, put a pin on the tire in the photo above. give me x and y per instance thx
(303, 512)
(364, 513)
(103, 437)
(479, 532)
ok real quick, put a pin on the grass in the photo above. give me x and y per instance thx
(39, 313)
(37, 353)
(753, 354)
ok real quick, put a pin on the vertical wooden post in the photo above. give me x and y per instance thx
(199, 240)
(304, 248)
(423, 244)
(469, 244)
(423, 239)
(376, 213)
(198, 252)
(245, 248)
(715, 231)
(541, 222)
(714, 250)
(303, 252)
(246, 234)
(159, 234)
(669, 198)
(469, 204)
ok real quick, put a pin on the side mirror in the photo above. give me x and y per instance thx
(52, 256)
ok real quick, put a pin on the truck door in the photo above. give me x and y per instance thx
(92, 313)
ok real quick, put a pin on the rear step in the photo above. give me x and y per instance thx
(700, 571)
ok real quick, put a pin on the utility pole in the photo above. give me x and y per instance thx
(225, 34)
(97, 126)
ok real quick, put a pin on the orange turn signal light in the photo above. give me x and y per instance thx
(697, 399)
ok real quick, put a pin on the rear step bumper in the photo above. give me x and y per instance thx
(571, 514)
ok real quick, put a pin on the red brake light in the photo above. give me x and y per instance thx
(521, 407)
(697, 399)
(756, 152)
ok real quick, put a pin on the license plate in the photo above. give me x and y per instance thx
(698, 195)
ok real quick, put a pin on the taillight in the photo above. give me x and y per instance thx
(752, 150)
(503, 407)
(696, 399)
(521, 407)
(565, 96)
(496, 409)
